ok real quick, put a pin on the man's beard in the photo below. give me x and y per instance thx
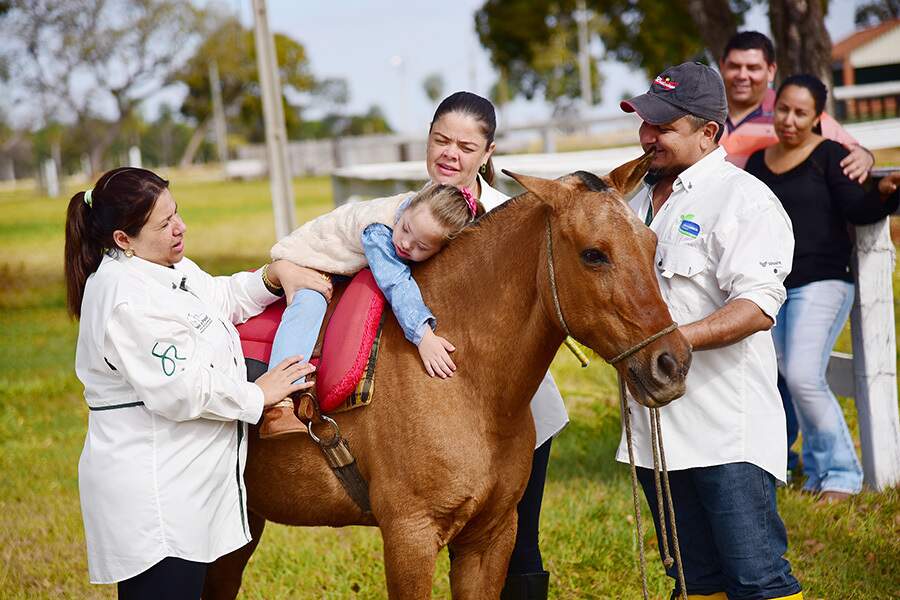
(654, 175)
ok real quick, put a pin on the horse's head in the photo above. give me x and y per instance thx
(597, 279)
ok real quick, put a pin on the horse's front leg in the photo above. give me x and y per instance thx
(411, 546)
(481, 557)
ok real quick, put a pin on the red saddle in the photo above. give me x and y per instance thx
(349, 334)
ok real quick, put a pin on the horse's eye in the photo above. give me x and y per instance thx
(594, 257)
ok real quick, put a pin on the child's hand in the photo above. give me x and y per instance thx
(434, 351)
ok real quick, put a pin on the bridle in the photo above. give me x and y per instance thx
(562, 321)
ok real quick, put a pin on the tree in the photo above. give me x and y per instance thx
(717, 21)
(232, 47)
(434, 85)
(801, 41)
(534, 45)
(76, 61)
(531, 41)
(875, 12)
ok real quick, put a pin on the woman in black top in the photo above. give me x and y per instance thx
(803, 169)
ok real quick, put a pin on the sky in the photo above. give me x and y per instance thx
(385, 49)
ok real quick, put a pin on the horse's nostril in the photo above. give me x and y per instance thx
(667, 365)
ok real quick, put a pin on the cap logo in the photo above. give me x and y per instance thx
(665, 82)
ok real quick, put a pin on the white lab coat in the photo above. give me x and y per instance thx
(161, 473)
(547, 407)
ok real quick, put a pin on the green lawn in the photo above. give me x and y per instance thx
(838, 552)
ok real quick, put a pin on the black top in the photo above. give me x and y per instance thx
(821, 200)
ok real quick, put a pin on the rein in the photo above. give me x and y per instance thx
(660, 472)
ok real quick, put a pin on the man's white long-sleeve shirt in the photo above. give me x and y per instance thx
(723, 236)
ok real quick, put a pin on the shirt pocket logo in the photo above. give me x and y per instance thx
(688, 228)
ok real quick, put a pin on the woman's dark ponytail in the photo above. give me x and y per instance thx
(83, 252)
(122, 200)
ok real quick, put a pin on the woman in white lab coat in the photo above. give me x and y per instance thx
(460, 145)
(161, 473)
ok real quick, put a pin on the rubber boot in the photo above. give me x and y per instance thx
(530, 586)
(716, 596)
(280, 420)
(797, 596)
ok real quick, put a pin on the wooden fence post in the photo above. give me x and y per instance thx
(875, 355)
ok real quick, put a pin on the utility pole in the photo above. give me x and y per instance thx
(273, 114)
(584, 57)
(215, 89)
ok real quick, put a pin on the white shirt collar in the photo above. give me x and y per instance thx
(167, 276)
(701, 169)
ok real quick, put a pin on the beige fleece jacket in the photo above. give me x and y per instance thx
(332, 242)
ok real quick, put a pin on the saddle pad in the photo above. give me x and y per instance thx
(346, 345)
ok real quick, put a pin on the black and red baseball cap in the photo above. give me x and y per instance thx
(690, 88)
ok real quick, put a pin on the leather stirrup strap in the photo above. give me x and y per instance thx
(340, 459)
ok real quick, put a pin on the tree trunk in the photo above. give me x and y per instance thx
(194, 143)
(715, 22)
(99, 147)
(802, 43)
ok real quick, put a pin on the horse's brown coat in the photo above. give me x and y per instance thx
(447, 460)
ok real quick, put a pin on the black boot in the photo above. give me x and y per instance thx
(530, 586)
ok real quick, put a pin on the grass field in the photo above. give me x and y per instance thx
(841, 552)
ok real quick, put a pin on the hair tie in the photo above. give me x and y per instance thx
(88, 199)
(470, 200)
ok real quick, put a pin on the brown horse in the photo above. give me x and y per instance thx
(447, 460)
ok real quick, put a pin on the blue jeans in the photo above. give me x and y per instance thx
(299, 328)
(793, 428)
(808, 324)
(731, 537)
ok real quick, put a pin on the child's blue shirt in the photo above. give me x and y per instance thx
(394, 278)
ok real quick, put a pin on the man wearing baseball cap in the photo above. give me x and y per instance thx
(724, 248)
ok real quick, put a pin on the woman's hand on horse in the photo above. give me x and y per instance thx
(888, 185)
(293, 277)
(435, 353)
(278, 383)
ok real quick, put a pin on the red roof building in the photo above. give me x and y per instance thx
(866, 70)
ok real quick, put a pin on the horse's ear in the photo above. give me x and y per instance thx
(626, 177)
(548, 190)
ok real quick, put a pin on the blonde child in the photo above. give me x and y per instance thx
(386, 235)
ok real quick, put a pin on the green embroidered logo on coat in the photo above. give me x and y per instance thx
(167, 358)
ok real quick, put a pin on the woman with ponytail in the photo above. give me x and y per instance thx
(460, 146)
(161, 473)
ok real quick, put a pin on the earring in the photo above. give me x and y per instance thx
(483, 168)
(129, 253)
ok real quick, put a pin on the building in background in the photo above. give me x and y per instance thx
(866, 69)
